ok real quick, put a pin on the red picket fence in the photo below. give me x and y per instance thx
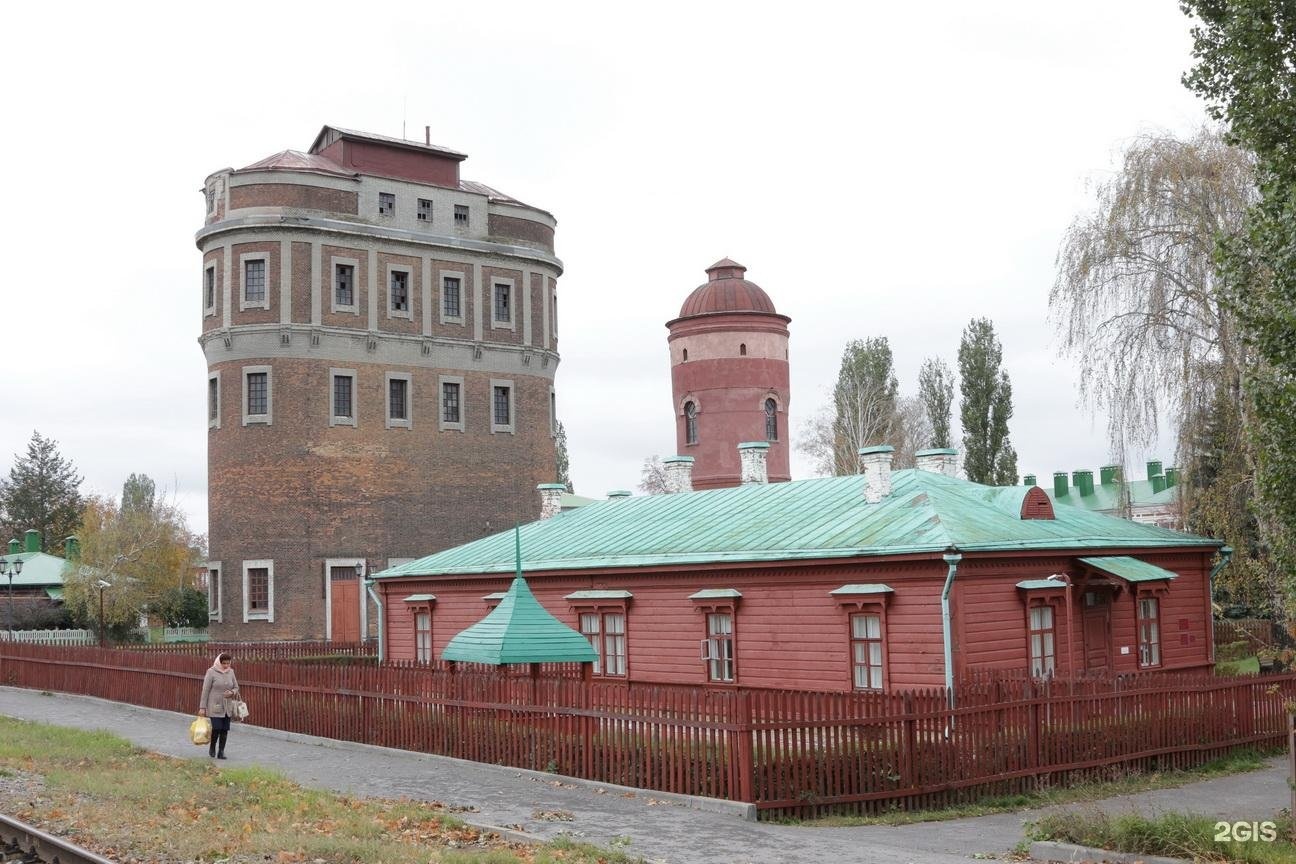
(791, 752)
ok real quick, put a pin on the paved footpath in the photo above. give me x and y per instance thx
(659, 829)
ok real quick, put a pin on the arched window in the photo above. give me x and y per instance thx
(771, 420)
(690, 423)
(742, 349)
(685, 355)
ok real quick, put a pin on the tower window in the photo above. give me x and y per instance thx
(771, 420)
(424, 210)
(685, 355)
(399, 292)
(386, 204)
(254, 280)
(742, 349)
(344, 285)
(503, 309)
(450, 298)
(461, 215)
(690, 423)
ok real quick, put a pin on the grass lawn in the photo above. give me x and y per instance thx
(1243, 760)
(1245, 666)
(1180, 835)
(98, 791)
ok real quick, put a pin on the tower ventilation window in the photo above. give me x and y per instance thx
(742, 349)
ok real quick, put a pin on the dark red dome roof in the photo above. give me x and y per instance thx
(727, 291)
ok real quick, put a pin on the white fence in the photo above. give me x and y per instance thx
(87, 637)
(50, 637)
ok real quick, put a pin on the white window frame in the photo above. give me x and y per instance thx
(712, 655)
(408, 313)
(267, 418)
(463, 403)
(408, 422)
(214, 590)
(354, 264)
(423, 653)
(512, 393)
(268, 615)
(244, 258)
(442, 275)
(334, 419)
(511, 323)
(210, 309)
(214, 422)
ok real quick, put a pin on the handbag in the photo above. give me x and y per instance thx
(200, 730)
(239, 709)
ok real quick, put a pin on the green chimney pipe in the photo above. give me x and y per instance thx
(1108, 474)
(1153, 468)
(72, 548)
(1059, 484)
(31, 540)
(1158, 484)
(1172, 477)
(1028, 480)
(1083, 481)
(14, 547)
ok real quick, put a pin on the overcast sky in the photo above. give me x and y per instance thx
(881, 169)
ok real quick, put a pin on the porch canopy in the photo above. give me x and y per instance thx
(519, 630)
(1129, 569)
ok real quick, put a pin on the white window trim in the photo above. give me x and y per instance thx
(510, 324)
(268, 615)
(244, 258)
(512, 424)
(329, 564)
(354, 264)
(214, 422)
(409, 291)
(214, 590)
(408, 422)
(334, 419)
(442, 275)
(210, 309)
(267, 418)
(463, 403)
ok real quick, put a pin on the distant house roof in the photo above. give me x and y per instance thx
(824, 517)
(569, 501)
(519, 630)
(40, 570)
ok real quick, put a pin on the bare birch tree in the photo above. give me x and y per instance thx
(862, 411)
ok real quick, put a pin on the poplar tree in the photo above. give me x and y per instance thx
(936, 390)
(988, 455)
(562, 463)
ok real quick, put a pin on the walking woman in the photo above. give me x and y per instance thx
(219, 690)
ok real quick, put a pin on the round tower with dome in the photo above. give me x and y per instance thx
(729, 377)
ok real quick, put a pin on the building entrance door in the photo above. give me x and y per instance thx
(1097, 630)
(344, 588)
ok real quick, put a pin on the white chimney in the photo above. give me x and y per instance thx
(753, 455)
(551, 499)
(938, 460)
(875, 462)
(679, 473)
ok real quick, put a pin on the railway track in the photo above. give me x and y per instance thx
(20, 843)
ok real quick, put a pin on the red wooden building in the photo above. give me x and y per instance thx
(882, 580)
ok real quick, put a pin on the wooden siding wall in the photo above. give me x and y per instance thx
(790, 631)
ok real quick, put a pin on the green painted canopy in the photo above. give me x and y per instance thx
(818, 518)
(1129, 569)
(519, 630)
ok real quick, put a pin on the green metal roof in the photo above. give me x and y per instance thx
(1041, 585)
(54, 593)
(823, 517)
(864, 588)
(1129, 569)
(567, 500)
(519, 630)
(39, 570)
(1106, 496)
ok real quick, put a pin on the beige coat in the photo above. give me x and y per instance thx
(215, 685)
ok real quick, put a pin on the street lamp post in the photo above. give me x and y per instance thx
(101, 585)
(13, 568)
